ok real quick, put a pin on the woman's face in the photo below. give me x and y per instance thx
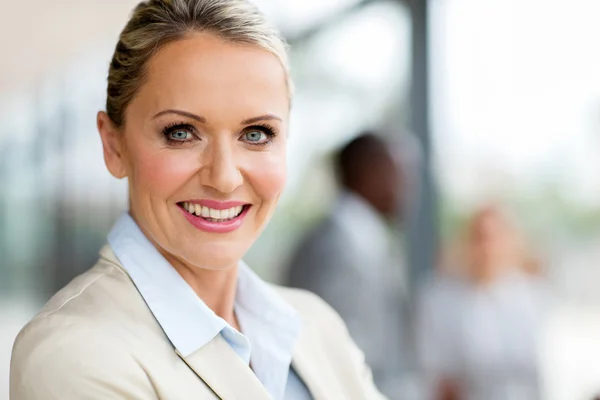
(204, 149)
(493, 243)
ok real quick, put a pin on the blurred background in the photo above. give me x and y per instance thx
(490, 107)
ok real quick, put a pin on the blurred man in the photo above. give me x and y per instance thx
(348, 259)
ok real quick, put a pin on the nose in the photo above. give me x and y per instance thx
(221, 171)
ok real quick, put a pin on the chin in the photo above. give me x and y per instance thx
(214, 257)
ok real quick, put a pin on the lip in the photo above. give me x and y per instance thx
(216, 227)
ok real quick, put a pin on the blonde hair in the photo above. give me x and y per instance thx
(154, 23)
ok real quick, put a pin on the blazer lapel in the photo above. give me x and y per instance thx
(314, 369)
(218, 365)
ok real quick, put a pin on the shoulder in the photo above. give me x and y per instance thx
(97, 297)
(83, 302)
(102, 298)
(49, 363)
(79, 333)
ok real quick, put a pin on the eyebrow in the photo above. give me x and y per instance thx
(202, 120)
(265, 117)
(182, 113)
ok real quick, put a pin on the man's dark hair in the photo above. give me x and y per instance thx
(358, 155)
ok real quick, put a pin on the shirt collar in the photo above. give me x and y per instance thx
(258, 298)
(186, 320)
(351, 210)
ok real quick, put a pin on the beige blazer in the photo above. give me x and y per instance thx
(97, 339)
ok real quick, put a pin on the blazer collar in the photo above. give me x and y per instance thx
(217, 364)
(230, 379)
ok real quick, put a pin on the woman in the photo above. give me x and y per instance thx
(478, 334)
(196, 119)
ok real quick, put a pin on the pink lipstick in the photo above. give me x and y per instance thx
(214, 216)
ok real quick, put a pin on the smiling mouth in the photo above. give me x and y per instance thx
(213, 215)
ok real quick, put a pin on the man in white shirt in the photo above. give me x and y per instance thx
(348, 259)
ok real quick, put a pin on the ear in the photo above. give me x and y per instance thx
(113, 146)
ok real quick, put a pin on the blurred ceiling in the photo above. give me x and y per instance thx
(39, 36)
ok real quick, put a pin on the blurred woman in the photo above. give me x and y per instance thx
(477, 329)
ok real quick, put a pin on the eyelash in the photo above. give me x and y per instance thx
(265, 128)
(177, 126)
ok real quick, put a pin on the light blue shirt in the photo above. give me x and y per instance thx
(270, 325)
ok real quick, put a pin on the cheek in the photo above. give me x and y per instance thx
(162, 172)
(268, 177)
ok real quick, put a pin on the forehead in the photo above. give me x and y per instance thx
(205, 74)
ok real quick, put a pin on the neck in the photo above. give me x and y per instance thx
(367, 197)
(485, 274)
(217, 288)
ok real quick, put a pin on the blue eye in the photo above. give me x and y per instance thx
(256, 136)
(180, 135)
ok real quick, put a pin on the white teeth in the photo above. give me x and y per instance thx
(205, 212)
